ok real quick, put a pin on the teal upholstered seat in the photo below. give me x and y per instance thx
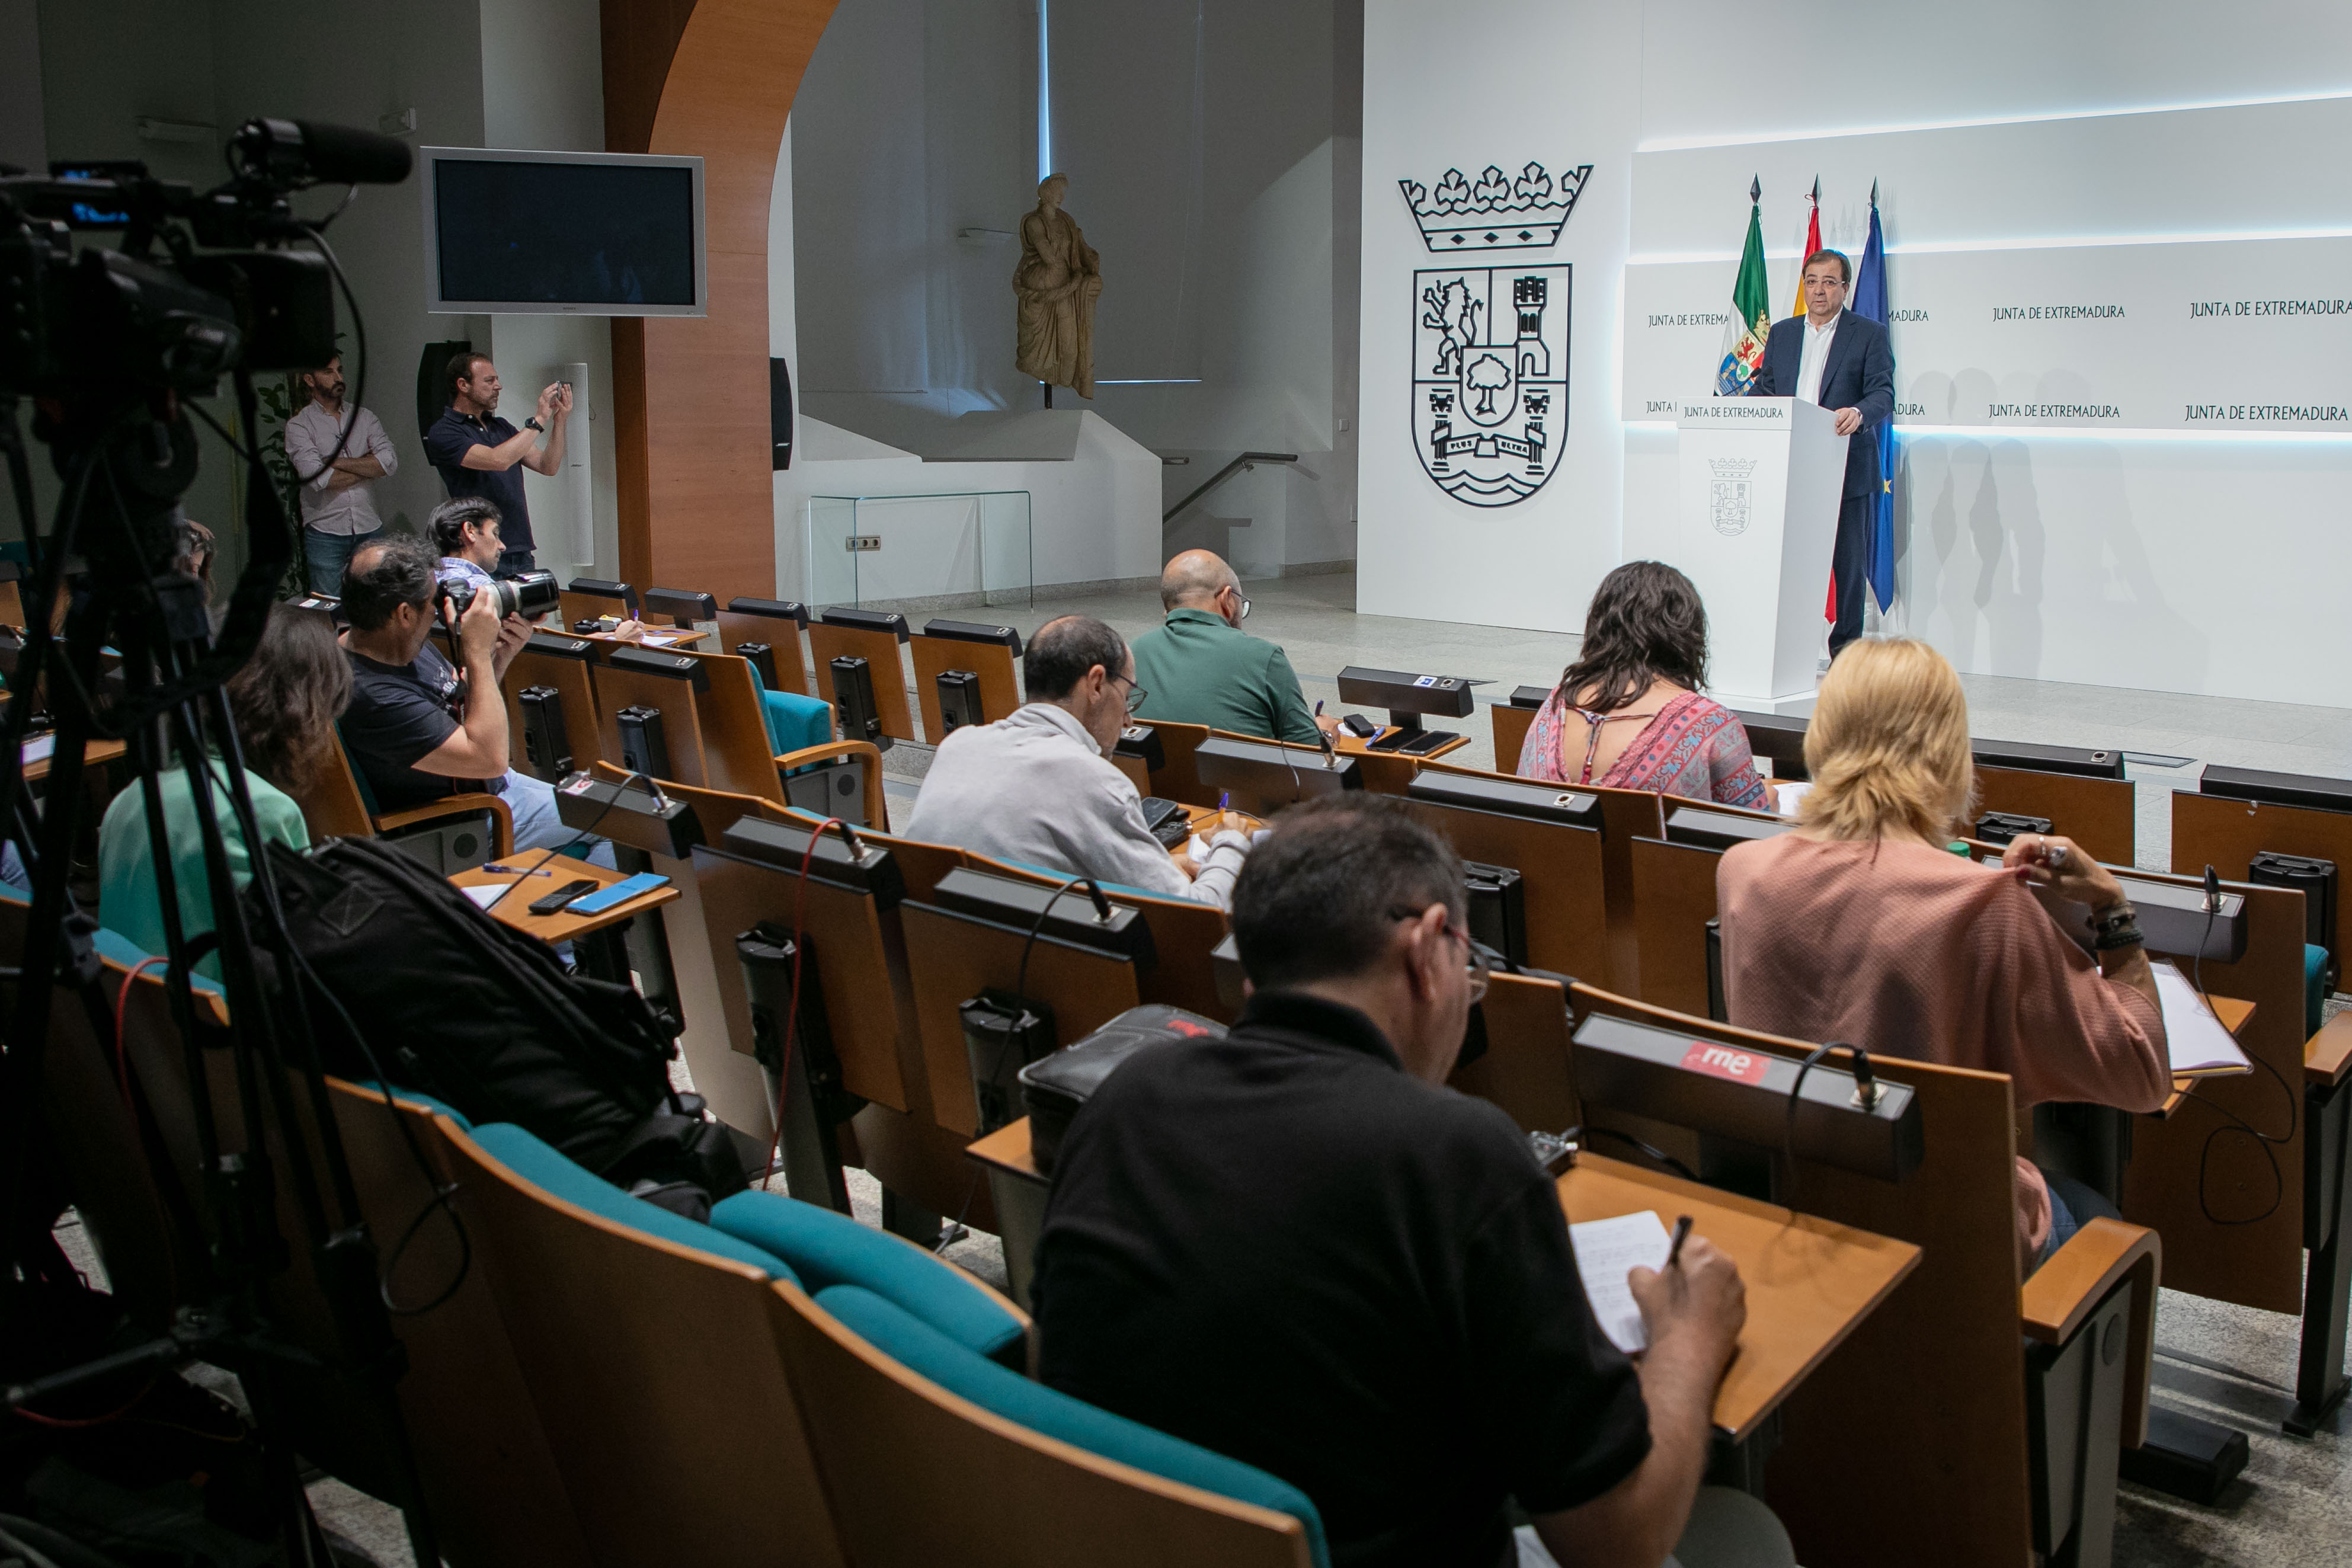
(827, 1248)
(929, 1353)
(540, 1165)
(117, 948)
(2314, 989)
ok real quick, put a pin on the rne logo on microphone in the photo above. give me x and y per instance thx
(1726, 1062)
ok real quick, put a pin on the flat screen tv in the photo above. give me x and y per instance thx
(585, 234)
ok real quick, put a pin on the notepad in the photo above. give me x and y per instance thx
(2201, 1046)
(1607, 1250)
(40, 748)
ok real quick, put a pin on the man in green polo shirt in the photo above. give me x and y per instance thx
(1201, 668)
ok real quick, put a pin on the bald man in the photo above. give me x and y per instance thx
(1201, 668)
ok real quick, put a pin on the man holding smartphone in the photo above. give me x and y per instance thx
(478, 454)
(418, 729)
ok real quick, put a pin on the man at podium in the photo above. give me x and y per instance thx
(1842, 361)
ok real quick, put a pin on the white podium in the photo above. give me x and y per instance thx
(1755, 520)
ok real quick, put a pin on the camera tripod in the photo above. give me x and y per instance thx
(112, 549)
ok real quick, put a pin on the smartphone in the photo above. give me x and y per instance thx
(619, 893)
(552, 903)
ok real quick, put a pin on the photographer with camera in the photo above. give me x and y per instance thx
(416, 729)
(468, 533)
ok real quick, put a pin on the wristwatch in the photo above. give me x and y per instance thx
(533, 424)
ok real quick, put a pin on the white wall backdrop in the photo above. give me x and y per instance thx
(2134, 148)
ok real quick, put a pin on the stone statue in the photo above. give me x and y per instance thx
(1057, 282)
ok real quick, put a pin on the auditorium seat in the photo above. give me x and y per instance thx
(470, 827)
(1055, 1480)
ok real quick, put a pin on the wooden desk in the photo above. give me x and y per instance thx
(94, 754)
(1810, 1282)
(1350, 745)
(514, 910)
(661, 639)
(1019, 1189)
(2233, 1015)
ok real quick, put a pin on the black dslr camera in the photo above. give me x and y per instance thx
(529, 594)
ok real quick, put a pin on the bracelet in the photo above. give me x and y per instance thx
(2110, 938)
(2114, 916)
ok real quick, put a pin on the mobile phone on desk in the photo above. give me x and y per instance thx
(620, 892)
(554, 902)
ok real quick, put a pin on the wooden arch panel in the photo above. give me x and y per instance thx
(715, 79)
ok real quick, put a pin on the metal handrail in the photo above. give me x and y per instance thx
(1246, 460)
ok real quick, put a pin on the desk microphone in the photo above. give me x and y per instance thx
(1865, 1083)
(2212, 891)
(849, 839)
(1330, 756)
(1102, 903)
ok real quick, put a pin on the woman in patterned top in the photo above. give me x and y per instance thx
(1628, 713)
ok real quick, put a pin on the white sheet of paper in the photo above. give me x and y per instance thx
(1786, 796)
(2199, 1042)
(40, 748)
(486, 897)
(1607, 1250)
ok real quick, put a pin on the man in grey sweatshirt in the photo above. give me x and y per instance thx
(1038, 787)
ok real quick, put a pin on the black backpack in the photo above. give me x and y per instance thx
(449, 1002)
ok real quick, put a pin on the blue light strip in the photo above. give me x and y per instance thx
(1693, 143)
(1045, 92)
(2089, 433)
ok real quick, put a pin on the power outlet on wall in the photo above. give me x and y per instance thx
(861, 542)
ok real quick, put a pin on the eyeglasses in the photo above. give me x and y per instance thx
(1477, 965)
(1135, 694)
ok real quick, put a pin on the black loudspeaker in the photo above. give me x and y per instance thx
(2002, 827)
(1003, 1033)
(853, 699)
(433, 387)
(2317, 879)
(642, 747)
(763, 660)
(1498, 908)
(959, 701)
(780, 415)
(545, 746)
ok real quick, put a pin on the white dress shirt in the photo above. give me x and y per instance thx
(1816, 358)
(1035, 788)
(311, 436)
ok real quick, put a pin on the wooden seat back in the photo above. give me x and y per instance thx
(1525, 1068)
(2212, 830)
(782, 633)
(1560, 868)
(657, 1378)
(1020, 1499)
(716, 737)
(1175, 779)
(953, 957)
(574, 682)
(1674, 898)
(2096, 814)
(1626, 815)
(1942, 1353)
(581, 603)
(1000, 685)
(880, 651)
(333, 806)
(1511, 727)
(1183, 932)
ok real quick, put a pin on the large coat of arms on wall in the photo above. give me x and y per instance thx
(1490, 344)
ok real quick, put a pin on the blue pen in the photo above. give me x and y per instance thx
(1318, 708)
(1224, 798)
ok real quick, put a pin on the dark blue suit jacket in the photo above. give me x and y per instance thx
(1859, 375)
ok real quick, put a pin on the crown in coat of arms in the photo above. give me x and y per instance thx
(1493, 212)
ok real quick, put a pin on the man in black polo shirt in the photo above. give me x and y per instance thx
(1295, 1246)
(478, 454)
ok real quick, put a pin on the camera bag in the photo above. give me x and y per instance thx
(1055, 1086)
(448, 1001)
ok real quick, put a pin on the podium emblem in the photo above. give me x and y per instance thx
(1733, 494)
(1490, 378)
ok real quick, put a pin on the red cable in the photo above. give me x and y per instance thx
(792, 1022)
(121, 1006)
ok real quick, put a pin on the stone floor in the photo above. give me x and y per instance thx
(2222, 1362)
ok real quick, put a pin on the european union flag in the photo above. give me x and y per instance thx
(1869, 300)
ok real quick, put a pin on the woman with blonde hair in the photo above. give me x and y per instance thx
(1863, 926)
